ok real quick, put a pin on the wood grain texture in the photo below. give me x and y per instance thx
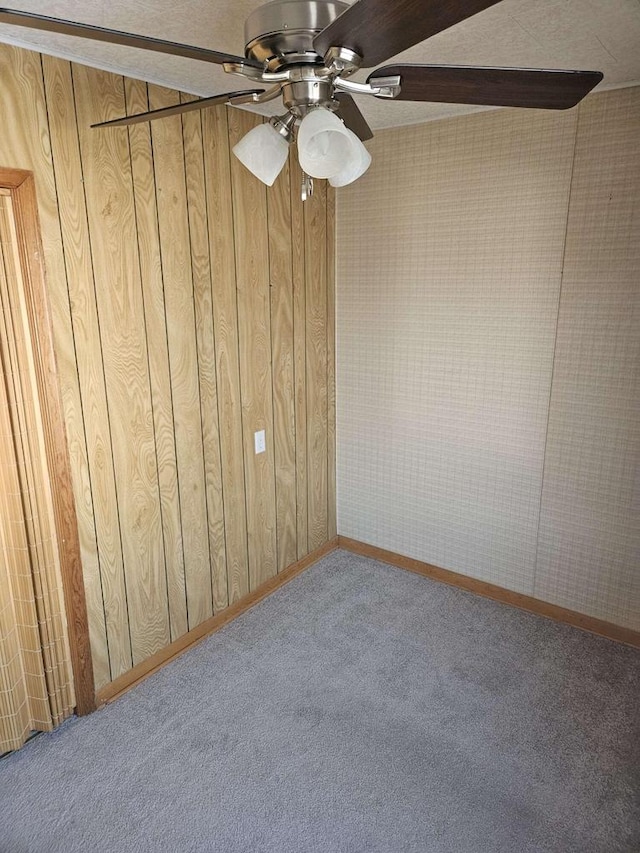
(504, 87)
(111, 216)
(81, 511)
(223, 266)
(179, 302)
(316, 314)
(99, 525)
(25, 145)
(332, 523)
(155, 321)
(282, 359)
(495, 592)
(57, 470)
(299, 351)
(188, 641)
(254, 326)
(175, 247)
(205, 342)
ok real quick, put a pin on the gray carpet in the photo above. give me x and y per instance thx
(360, 708)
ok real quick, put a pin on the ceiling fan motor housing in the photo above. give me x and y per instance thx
(281, 33)
(305, 51)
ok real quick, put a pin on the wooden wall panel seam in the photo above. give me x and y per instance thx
(85, 509)
(205, 347)
(316, 338)
(272, 425)
(225, 323)
(139, 227)
(282, 361)
(238, 357)
(330, 236)
(175, 249)
(106, 402)
(218, 451)
(149, 367)
(249, 200)
(110, 208)
(300, 354)
(120, 586)
(159, 374)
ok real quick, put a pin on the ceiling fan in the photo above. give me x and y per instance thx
(305, 51)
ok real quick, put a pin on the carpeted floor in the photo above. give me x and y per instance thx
(360, 708)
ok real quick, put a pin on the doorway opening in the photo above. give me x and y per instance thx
(45, 658)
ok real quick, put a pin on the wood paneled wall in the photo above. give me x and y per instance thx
(191, 307)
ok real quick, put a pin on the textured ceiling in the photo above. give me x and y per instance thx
(602, 35)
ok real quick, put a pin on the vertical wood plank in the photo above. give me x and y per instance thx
(316, 288)
(99, 524)
(332, 530)
(25, 144)
(252, 357)
(144, 191)
(110, 207)
(282, 356)
(299, 353)
(175, 245)
(198, 229)
(222, 253)
(252, 265)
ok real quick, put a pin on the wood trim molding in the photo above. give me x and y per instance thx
(21, 186)
(494, 592)
(142, 670)
(12, 179)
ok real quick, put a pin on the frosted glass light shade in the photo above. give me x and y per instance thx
(264, 152)
(355, 168)
(325, 147)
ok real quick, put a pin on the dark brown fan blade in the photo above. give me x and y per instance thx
(350, 114)
(379, 29)
(500, 87)
(176, 109)
(88, 31)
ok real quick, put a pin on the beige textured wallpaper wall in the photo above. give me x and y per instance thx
(488, 351)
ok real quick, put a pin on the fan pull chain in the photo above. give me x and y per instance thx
(307, 187)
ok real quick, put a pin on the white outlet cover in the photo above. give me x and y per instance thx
(260, 441)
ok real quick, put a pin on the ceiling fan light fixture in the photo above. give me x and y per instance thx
(325, 145)
(306, 52)
(354, 169)
(263, 151)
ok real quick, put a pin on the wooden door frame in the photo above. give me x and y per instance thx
(21, 187)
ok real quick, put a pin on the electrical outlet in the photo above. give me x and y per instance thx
(260, 441)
